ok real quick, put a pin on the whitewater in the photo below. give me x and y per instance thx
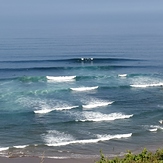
(74, 102)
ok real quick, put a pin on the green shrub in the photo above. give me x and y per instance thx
(144, 157)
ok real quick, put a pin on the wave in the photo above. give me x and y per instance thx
(56, 137)
(31, 79)
(77, 78)
(64, 67)
(153, 128)
(72, 60)
(60, 78)
(99, 138)
(20, 146)
(16, 146)
(84, 88)
(97, 117)
(104, 60)
(44, 111)
(147, 85)
(96, 104)
(156, 127)
(4, 148)
(122, 75)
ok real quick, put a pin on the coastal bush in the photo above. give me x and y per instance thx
(144, 157)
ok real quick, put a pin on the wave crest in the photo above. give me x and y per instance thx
(97, 116)
(44, 111)
(84, 88)
(147, 85)
(96, 104)
(60, 78)
(51, 141)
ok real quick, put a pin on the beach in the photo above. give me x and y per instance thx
(46, 160)
(80, 77)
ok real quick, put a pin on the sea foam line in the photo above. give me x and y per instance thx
(87, 141)
(122, 75)
(20, 146)
(97, 117)
(84, 88)
(98, 104)
(60, 78)
(153, 129)
(4, 148)
(44, 111)
(146, 85)
(156, 127)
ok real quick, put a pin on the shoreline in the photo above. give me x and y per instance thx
(43, 159)
(46, 160)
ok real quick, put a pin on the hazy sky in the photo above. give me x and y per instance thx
(59, 17)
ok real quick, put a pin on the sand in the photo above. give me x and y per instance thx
(46, 160)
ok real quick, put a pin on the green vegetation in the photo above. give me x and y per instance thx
(144, 157)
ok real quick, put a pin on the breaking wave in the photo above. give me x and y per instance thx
(96, 104)
(60, 78)
(84, 88)
(44, 111)
(147, 85)
(97, 117)
(56, 138)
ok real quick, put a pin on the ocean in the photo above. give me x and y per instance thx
(72, 96)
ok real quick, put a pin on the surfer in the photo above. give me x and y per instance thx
(86, 59)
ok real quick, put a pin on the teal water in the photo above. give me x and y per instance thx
(75, 96)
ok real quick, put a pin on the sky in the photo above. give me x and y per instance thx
(35, 18)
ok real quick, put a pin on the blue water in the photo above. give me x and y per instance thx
(73, 96)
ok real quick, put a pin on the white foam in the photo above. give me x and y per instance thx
(153, 129)
(161, 121)
(66, 108)
(147, 85)
(87, 141)
(96, 104)
(118, 136)
(84, 88)
(139, 86)
(44, 111)
(97, 116)
(57, 157)
(20, 146)
(156, 127)
(56, 137)
(122, 75)
(60, 78)
(4, 148)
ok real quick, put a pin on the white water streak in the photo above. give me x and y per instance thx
(20, 146)
(122, 75)
(147, 85)
(97, 117)
(61, 78)
(44, 111)
(96, 104)
(84, 88)
(100, 138)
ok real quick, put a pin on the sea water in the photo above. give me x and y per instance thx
(74, 96)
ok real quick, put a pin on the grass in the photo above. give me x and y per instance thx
(144, 157)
